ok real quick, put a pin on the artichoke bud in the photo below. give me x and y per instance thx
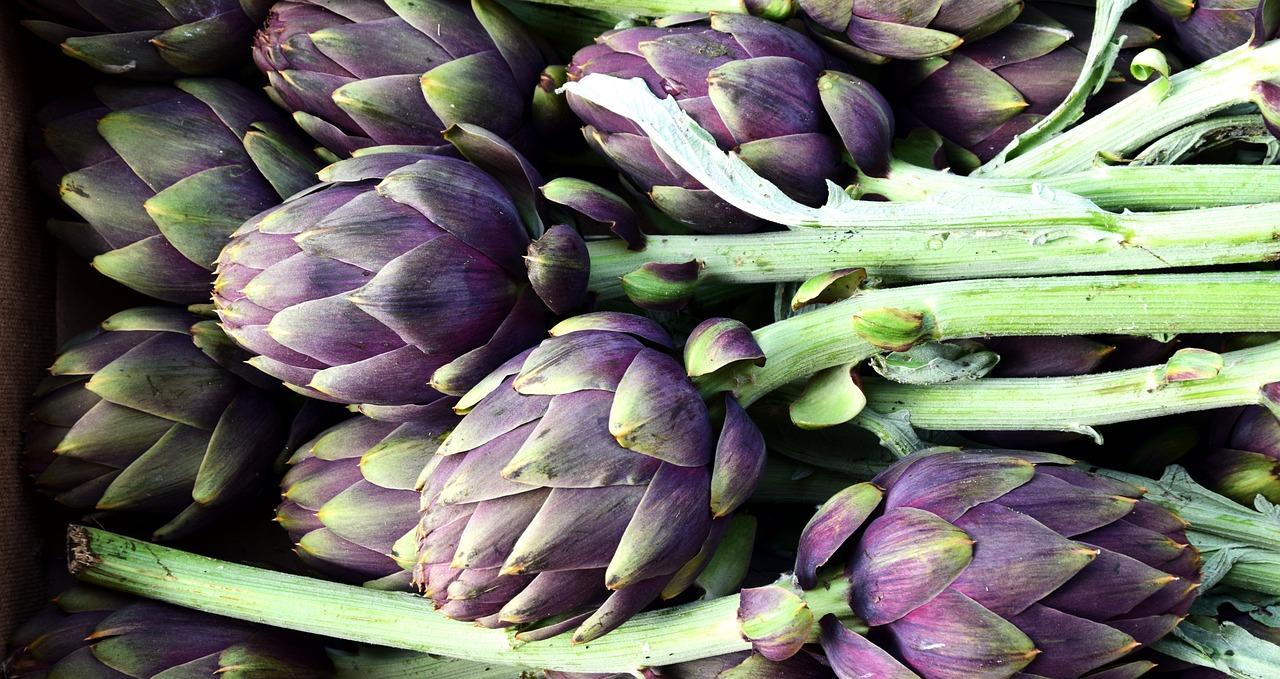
(750, 83)
(368, 73)
(152, 39)
(157, 225)
(977, 552)
(595, 432)
(775, 619)
(559, 269)
(1244, 460)
(136, 417)
(662, 286)
(375, 289)
(89, 632)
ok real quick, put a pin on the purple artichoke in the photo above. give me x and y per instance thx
(360, 73)
(151, 39)
(878, 30)
(1244, 461)
(996, 564)
(585, 481)
(89, 633)
(350, 499)
(146, 415)
(162, 175)
(398, 278)
(1206, 29)
(992, 90)
(754, 85)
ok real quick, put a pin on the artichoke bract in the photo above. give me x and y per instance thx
(91, 633)
(987, 92)
(586, 480)
(359, 73)
(996, 564)
(151, 39)
(877, 31)
(146, 415)
(398, 278)
(1244, 461)
(351, 500)
(753, 84)
(162, 175)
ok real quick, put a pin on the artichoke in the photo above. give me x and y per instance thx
(992, 90)
(162, 175)
(877, 30)
(1204, 30)
(350, 499)
(151, 39)
(400, 277)
(997, 564)
(148, 414)
(360, 73)
(585, 481)
(1244, 461)
(753, 84)
(89, 633)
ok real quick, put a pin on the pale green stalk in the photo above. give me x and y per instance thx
(1078, 402)
(377, 662)
(1133, 305)
(951, 246)
(402, 620)
(1120, 187)
(1161, 107)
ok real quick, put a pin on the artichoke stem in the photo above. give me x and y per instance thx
(1139, 188)
(1161, 107)
(1147, 304)
(401, 620)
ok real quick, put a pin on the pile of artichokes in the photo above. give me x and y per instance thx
(663, 338)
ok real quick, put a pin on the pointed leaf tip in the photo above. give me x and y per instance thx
(559, 268)
(719, 342)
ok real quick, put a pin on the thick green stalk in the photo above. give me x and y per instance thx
(1004, 243)
(402, 620)
(1120, 187)
(377, 662)
(1078, 402)
(841, 333)
(1159, 108)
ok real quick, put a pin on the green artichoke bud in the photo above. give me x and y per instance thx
(362, 73)
(153, 413)
(90, 633)
(163, 174)
(351, 500)
(151, 39)
(879, 30)
(1244, 457)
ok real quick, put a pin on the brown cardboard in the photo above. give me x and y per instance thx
(26, 333)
